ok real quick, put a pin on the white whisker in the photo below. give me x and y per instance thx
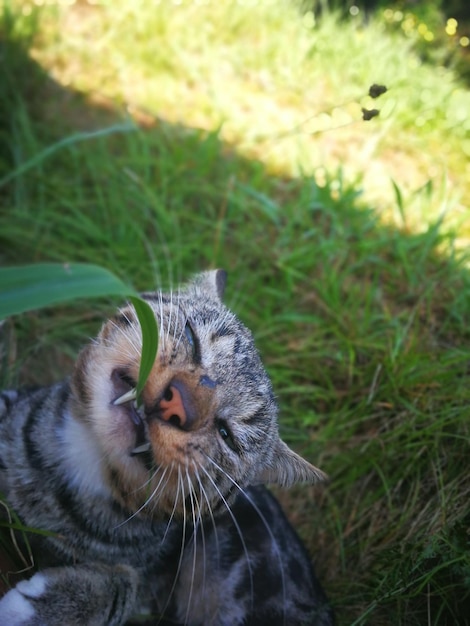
(161, 330)
(142, 507)
(181, 333)
(172, 309)
(127, 334)
(237, 526)
(177, 341)
(209, 507)
(132, 333)
(183, 540)
(174, 507)
(201, 523)
(192, 496)
(264, 521)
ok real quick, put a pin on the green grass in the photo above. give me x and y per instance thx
(295, 107)
(359, 301)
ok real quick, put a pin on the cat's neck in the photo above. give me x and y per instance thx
(82, 459)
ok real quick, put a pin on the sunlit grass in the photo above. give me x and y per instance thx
(283, 88)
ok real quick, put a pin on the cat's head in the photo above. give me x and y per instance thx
(207, 425)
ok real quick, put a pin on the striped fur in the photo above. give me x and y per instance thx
(158, 508)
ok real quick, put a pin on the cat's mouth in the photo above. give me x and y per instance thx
(174, 407)
(126, 399)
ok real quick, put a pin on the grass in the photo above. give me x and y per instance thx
(295, 107)
(358, 298)
(30, 287)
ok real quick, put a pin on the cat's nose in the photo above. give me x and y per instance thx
(176, 406)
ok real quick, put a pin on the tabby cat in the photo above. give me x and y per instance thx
(158, 509)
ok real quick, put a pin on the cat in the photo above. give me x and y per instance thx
(158, 508)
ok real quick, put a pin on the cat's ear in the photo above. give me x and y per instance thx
(212, 283)
(288, 468)
(220, 280)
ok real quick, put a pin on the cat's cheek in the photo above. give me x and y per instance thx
(114, 431)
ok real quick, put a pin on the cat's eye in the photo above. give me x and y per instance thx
(189, 332)
(193, 342)
(226, 435)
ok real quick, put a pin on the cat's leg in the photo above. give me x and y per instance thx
(250, 569)
(93, 594)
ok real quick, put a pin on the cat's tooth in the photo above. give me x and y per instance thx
(144, 447)
(127, 397)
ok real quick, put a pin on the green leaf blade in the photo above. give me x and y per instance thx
(27, 287)
(148, 325)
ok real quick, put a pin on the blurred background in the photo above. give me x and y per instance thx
(320, 153)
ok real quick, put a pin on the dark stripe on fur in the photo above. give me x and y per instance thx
(7, 402)
(32, 449)
(74, 511)
(122, 320)
(117, 605)
(155, 297)
(223, 330)
(257, 418)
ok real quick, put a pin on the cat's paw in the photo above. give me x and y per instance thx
(91, 593)
(16, 607)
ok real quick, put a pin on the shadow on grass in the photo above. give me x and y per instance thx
(363, 328)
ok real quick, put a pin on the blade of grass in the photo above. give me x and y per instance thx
(149, 329)
(63, 143)
(27, 287)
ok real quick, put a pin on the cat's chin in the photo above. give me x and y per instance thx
(149, 449)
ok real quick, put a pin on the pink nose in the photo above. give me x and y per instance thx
(172, 407)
